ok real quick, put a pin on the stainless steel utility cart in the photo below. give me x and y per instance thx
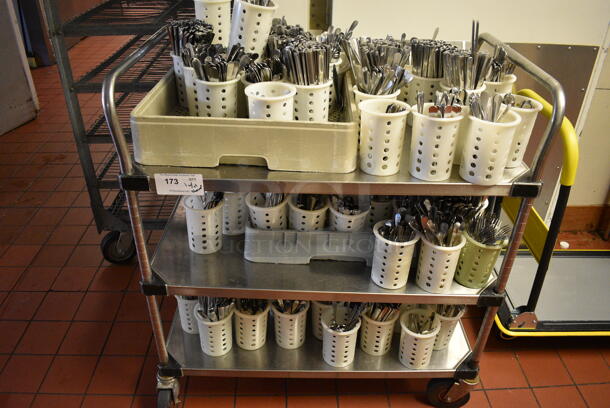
(175, 270)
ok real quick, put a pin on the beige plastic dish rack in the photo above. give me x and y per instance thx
(163, 136)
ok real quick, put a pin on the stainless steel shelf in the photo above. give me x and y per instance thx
(227, 273)
(253, 178)
(306, 361)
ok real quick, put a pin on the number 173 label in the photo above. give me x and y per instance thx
(179, 184)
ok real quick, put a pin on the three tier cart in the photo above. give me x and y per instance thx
(175, 270)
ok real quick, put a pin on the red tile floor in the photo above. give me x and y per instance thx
(74, 330)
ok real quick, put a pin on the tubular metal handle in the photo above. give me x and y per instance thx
(557, 94)
(108, 103)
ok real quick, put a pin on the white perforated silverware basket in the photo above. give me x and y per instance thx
(186, 311)
(250, 25)
(376, 337)
(502, 87)
(317, 308)
(204, 227)
(271, 100)
(416, 349)
(361, 97)
(380, 210)
(218, 14)
(428, 86)
(391, 260)
(486, 149)
(190, 86)
(180, 85)
(306, 220)
(381, 136)
(234, 213)
(311, 102)
(217, 99)
(437, 266)
(338, 348)
(267, 218)
(290, 328)
(347, 223)
(446, 330)
(433, 143)
(251, 330)
(524, 129)
(216, 337)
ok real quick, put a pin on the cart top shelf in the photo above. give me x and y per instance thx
(239, 178)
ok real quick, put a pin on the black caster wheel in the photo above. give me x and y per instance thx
(436, 391)
(118, 247)
(165, 399)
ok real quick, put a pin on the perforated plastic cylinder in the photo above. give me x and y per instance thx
(486, 149)
(437, 266)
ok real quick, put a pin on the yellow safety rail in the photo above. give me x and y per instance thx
(536, 230)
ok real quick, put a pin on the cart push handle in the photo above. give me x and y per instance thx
(109, 105)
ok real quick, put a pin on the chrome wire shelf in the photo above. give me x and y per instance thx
(141, 77)
(122, 17)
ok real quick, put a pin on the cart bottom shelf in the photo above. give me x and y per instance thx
(306, 362)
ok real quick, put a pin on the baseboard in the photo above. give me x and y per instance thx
(584, 218)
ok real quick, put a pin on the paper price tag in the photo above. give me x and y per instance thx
(179, 184)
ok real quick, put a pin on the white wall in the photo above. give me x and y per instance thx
(593, 177)
(529, 21)
(295, 11)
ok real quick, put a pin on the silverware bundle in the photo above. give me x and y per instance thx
(449, 310)
(270, 199)
(210, 200)
(500, 66)
(378, 65)
(445, 103)
(309, 202)
(399, 228)
(351, 319)
(214, 309)
(264, 3)
(184, 35)
(268, 69)
(307, 63)
(395, 108)
(486, 229)
(491, 107)
(290, 306)
(420, 326)
(383, 312)
(426, 57)
(251, 306)
(464, 70)
(212, 62)
(333, 37)
(441, 219)
(280, 26)
(348, 205)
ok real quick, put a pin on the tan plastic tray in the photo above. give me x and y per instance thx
(163, 136)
